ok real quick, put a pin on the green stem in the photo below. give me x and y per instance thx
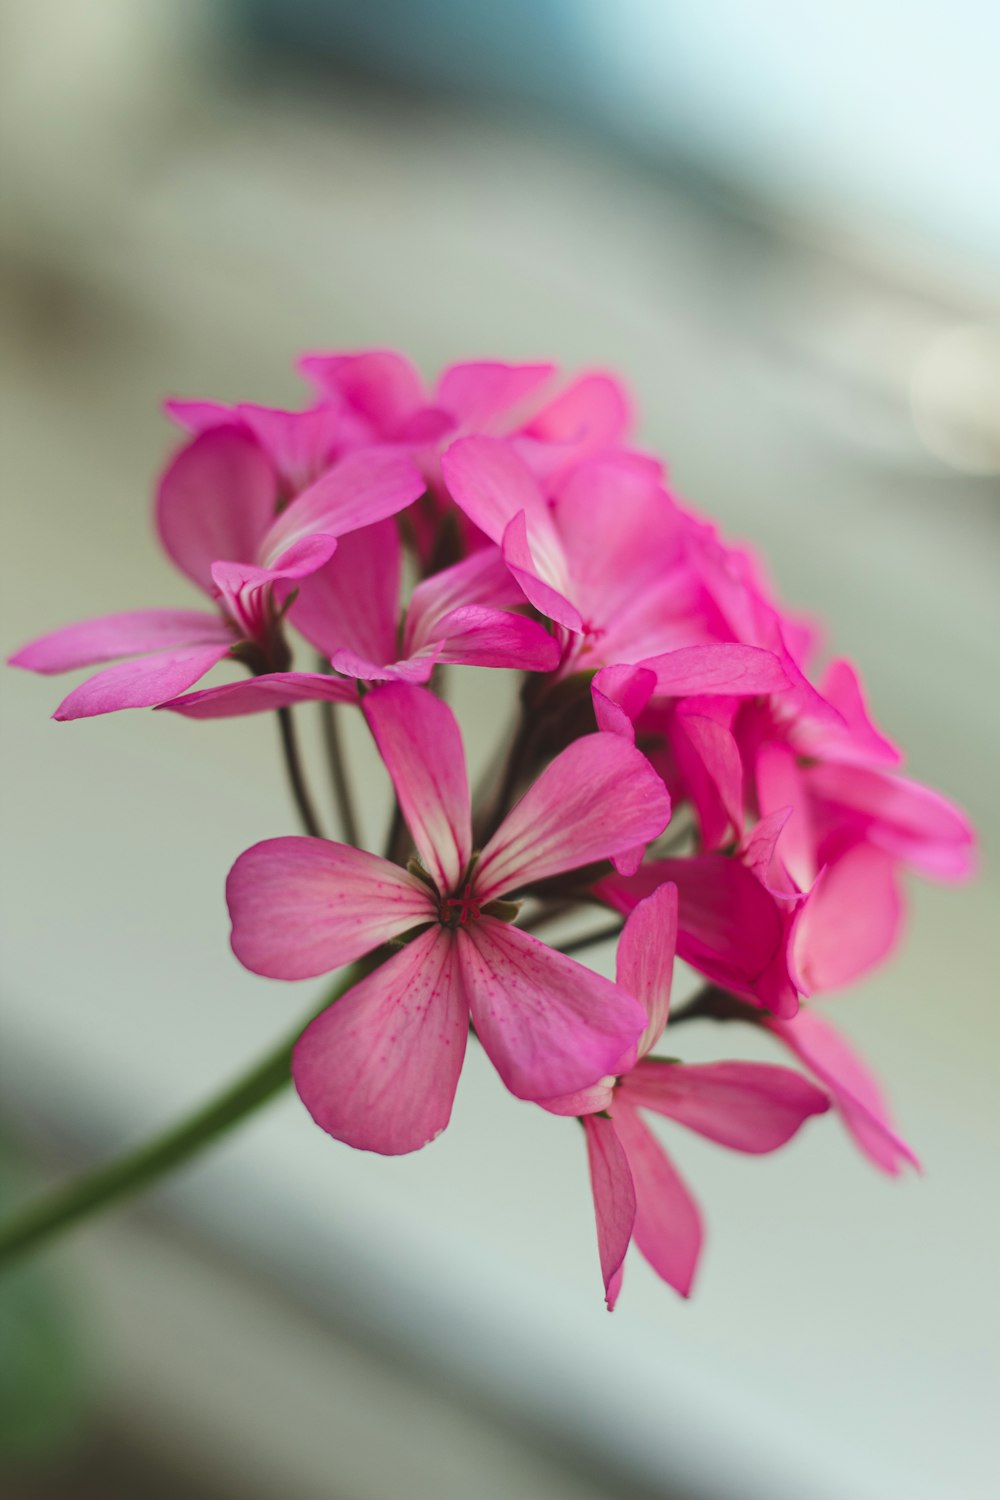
(65, 1206)
(296, 775)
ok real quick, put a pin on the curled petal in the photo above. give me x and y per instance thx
(548, 1025)
(478, 637)
(600, 797)
(303, 906)
(143, 683)
(749, 1107)
(364, 487)
(667, 1226)
(419, 741)
(378, 1069)
(614, 1200)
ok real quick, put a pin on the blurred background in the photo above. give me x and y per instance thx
(780, 224)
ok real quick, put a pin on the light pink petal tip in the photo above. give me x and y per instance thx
(303, 906)
(379, 1068)
(614, 1200)
(548, 1025)
(598, 799)
(419, 741)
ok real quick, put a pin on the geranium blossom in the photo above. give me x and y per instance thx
(220, 518)
(752, 1107)
(379, 1068)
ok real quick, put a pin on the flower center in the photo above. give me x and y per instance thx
(457, 910)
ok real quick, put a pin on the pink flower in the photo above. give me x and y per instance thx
(219, 518)
(751, 1107)
(379, 1068)
(350, 611)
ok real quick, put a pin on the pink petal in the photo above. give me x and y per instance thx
(646, 959)
(620, 694)
(529, 571)
(129, 634)
(478, 637)
(548, 1025)
(417, 669)
(247, 592)
(481, 579)
(255, 695)
(362, 488)
(589, 1101)
(667, 1226)
(419, 741)
(841, 687)
(906, 819)
(476, 395)
(352, 602)
(592, 413)
(303, 906)
(851, 920)
(717, 668)
(749, 1107)
(493, 485)
(143, 683)
(710, 766)
(216, 501)
(599, 798)
(381, 386)
(781, 784)
(614, 1200)
(854, 1087)
(379, 1068)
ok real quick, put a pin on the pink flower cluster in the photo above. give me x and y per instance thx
(676, 763)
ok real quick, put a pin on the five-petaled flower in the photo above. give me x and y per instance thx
(379, 1068)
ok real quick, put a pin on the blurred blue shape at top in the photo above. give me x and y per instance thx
(884, 114)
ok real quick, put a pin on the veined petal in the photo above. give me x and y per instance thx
(620, 694)
(529, 570)
(645, 963)
(247, 591)
(588, 1101)
(352, 602)
(482, 578)
(856, 1092)
(667, 1226)
(742, 671)
(416, 669)
(216, 501)
(143, 683)
(419, 741)
(378, 1069)
(614, 1199)
(548, 1025)
(751, 1107)
(479, 637)
(256, 695)
(132, 633)
(599, 797)
(303, 906)
(364, 487)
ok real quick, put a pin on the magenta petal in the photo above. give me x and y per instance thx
(417, 669)
(588, 1101)
(132, 633)
(549, 598)
(142, 683)
(548, 1025)
(708, 760)
(215, 502)
(667, 1226)
(419, 741)
(599, 798)
(614, 1199)
(478, 637)
(352, 603)
(365, 487)
(476, 394)
(646, 959)
(854, 1087)
(851, 920)
(482, 578)
(751, 1107)
(302, 906)
(590, 414)
(620, 694)
(906, 819)
(256, 695)
(718, 668)
(379, 1068)
(381, 386)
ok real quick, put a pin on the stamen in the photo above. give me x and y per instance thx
(464, 907)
